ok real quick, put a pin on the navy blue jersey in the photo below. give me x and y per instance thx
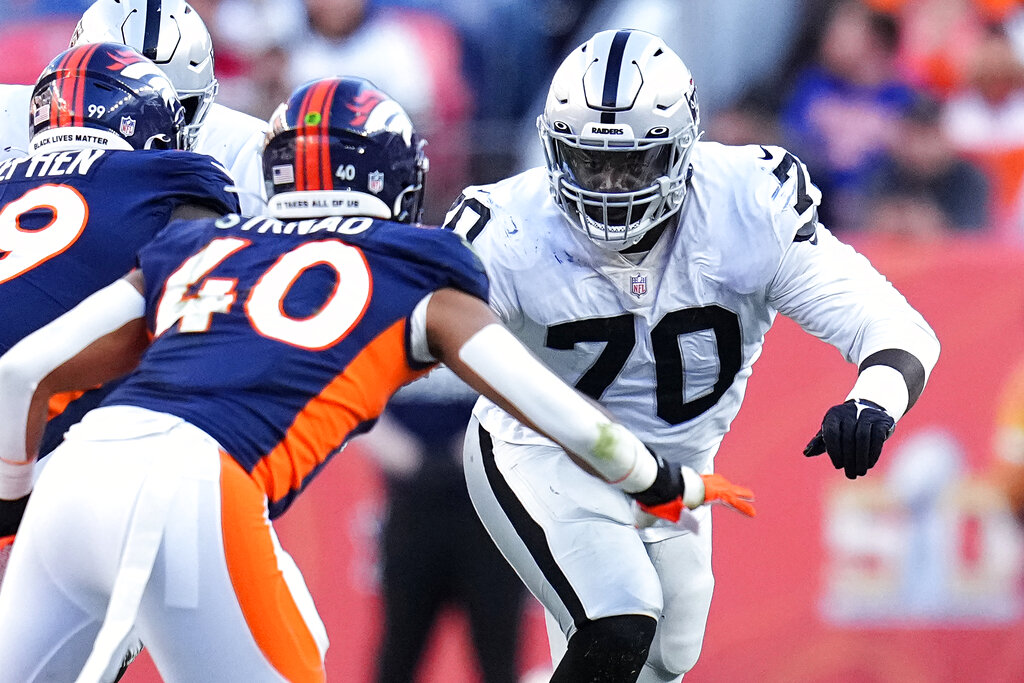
(282, 340)
(72, 222)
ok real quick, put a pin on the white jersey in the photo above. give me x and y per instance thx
(231, 137)
(236, 140)
(667, 344)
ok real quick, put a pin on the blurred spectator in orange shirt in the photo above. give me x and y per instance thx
(938, 39)
(985, 120)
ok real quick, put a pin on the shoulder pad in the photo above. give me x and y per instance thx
(469, 214)
(525, 196)
(794, 199)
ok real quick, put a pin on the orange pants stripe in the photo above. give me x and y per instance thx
(275, 621)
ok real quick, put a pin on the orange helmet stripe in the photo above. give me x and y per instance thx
(315, 155)
(300, 142)
(55, 90)
(325, 143)
(312, 157)
(61, 86)
(77, 113)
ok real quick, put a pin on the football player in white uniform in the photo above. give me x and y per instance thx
(646, 267)
(173, 35)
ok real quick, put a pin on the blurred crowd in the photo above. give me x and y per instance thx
(908, 113)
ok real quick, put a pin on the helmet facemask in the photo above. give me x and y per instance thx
(615, 191)
(197, 105)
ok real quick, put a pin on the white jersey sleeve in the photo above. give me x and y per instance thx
(14, 101)
(835, 293)
(475, 210)
(236, 141)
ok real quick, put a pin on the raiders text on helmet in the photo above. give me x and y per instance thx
(341, 147)
(618, 128)
(104, 95)
(171, 34)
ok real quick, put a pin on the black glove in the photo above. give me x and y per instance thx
(11, 512)
(853, 434)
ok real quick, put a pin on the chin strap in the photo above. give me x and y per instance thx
(647, 241)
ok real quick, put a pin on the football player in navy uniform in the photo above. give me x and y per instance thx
(664, 261)
(172, 34)
(274, 340)
(106, 176)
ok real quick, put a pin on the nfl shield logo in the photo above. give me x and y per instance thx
(127, 126)
(638, 285)
(375, 182)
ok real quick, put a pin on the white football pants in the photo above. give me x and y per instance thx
(132, 489)
(573, 540)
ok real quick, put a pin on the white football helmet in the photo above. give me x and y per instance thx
(169, 32)
(618, 129)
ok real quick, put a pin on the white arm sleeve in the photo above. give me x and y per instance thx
(557, 410)
(835, 294)
(418, 348)
(29, 361)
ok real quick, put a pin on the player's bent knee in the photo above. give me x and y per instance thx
(673, 659)
(607, 649)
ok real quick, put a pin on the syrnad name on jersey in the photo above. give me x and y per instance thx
(51, 164)
(345, 225)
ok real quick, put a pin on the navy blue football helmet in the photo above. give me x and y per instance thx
(105, 95)
(349, 149)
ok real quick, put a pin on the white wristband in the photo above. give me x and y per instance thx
(693, 488)
(885, 386)
(419, 349)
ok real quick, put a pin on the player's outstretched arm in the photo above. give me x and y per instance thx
(99, 340)
(836, 294)
(464, 334)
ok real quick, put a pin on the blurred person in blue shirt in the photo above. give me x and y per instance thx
(841, 111)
